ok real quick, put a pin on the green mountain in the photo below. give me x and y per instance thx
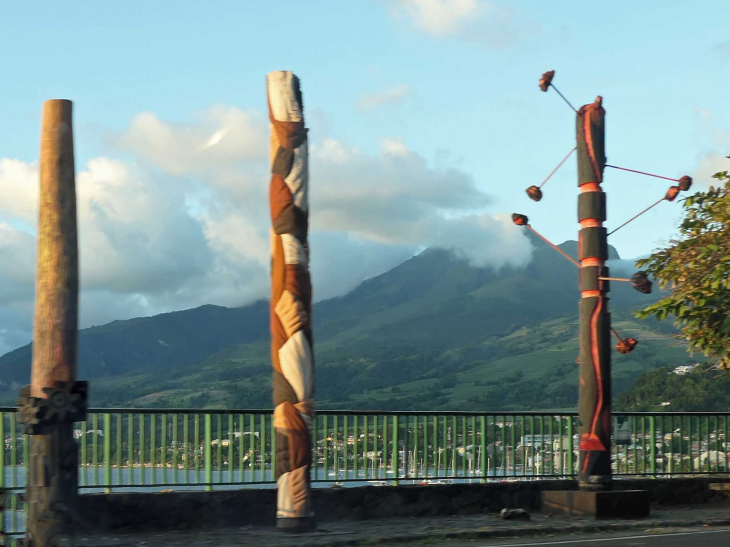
(432, 333)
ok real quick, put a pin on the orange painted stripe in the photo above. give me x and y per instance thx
(590, 294)
(590, 187)
(591, 262)
(590, 223)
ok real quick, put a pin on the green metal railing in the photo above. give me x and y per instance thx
(159, 449)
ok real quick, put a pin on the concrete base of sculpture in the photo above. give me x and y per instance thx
(601, 504)
(297, 525)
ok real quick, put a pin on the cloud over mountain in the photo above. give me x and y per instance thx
(184, 221)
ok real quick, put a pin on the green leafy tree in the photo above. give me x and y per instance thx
(696, 268)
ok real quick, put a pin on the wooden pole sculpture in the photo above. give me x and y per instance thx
(594, 394)
(54, 400)
(595, 497)
(291, 303)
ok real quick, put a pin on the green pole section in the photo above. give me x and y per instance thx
(594, 394)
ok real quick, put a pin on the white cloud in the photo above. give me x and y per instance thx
(220, 135)
(713, 158)
(380, 99)
(483, 21)
(186, 221)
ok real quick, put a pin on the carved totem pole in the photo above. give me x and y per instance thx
(291, 303)
(594, 395)
(54, 400)
(594, 392)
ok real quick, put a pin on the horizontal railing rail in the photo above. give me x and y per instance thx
(147, 449)
(164, 448)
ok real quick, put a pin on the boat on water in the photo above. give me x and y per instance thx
(378, 483)
(430, 482)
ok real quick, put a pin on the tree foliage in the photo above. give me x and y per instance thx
(696, 268)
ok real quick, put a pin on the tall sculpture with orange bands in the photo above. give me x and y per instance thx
(291, 302)
(594, 403)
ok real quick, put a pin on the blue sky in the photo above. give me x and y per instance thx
(450, 83)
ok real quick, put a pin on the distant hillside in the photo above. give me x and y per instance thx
(434, 332)
(704, 389)
(152, 343)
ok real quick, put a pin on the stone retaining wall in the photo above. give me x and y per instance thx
(188, 509)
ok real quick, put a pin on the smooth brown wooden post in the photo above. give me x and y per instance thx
(54, 400)
(57, 283)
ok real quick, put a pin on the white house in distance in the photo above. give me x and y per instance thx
(684, 369)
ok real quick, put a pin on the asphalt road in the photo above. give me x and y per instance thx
(676, 538)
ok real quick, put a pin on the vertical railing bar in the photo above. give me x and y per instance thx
(513, 445)
(707, 425)
(272, 434)
(396, 465)
(435, 452)
(464, 440)
(174, 448)
(315, 448)
(445, 446)
(95, 448)
(119, 447)
(163, 446)
(219, 451)
(13, 467)
(231, 445)
(186, 449)
(454, 437)
(325, 446)
(652, 448)
(207, 451)
(523, 432)
(252, 448)
(386, 441)
(414, 471)
(346, 439)
(153, 447)
(483, 448)
(473, 458)
(142, 462)
(365, 444)
(690, 447)
(2, 452)
(336, 450)
(241, 445)
(196, 457)
(107, 452)
(725, 439)
(571, 451)
(551, 434)
(426, 452)
(262, 437)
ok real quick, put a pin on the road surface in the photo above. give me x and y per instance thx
(673, 538)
